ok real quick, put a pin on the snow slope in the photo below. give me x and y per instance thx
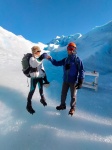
(89, 128)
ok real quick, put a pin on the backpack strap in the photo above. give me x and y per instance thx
(33, 69)
(77, 62)
(66, 60)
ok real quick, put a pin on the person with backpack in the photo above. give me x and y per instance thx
(37, 75)
(72, 78)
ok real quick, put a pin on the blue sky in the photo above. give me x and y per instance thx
(43, 20)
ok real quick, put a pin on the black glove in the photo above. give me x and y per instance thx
(44, 55)
(67, 66)
(79, 84)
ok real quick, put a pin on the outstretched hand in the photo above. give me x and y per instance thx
(48, 57)
(44, 56)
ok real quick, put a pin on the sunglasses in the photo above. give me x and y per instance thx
(38, 51)
(71, 47)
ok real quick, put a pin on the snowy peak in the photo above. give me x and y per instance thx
(94, 48)
(95, 40)
(64, 40)
(15, 43)
(105, 27)
(87, 44)
(5, 32)
(8, 34)
(12, 46)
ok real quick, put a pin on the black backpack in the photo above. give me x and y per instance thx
(25, 64)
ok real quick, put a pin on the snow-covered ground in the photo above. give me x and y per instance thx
(49, 129)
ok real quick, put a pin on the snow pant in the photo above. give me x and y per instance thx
(45, 77)
(33, 83)
(73, 91)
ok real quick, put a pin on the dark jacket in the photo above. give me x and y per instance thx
(72, 68)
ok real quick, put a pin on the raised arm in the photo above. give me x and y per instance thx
(57, 63)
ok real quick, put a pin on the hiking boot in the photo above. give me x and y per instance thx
(61, 107)
(30, 109)
(46, 84)
(71, 112)
(42, 100)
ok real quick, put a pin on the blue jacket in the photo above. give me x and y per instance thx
(72, 68)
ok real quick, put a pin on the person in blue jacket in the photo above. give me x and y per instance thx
(73, 75)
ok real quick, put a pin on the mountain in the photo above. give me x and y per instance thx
(91, 125)
(94, 46)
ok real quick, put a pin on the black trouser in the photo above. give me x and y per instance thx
(33, 83)
(45, 77)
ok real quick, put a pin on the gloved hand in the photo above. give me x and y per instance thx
(79, 84)
(67, 66)
(43, 56)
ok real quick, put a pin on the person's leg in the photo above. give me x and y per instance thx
(73, 95)
(40, 86)
(64, 92)
(65, 88)
(45, 78)
(32, 89)
(73, 98)
(33, 83)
